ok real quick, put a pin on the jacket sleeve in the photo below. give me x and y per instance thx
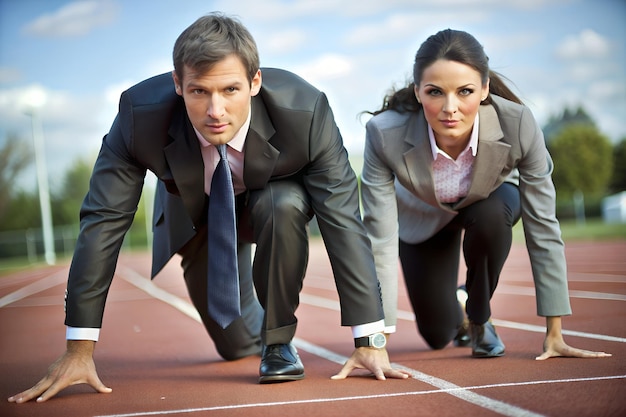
(333, 186)
(380, 216)
(541, 227)
(106, 215)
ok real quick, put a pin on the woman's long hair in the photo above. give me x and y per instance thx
(452, 45)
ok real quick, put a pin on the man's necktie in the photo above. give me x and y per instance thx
(223, 276)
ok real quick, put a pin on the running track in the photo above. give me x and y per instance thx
(159, 361)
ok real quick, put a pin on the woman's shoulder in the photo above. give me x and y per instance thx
(508, 107)
(391, 119)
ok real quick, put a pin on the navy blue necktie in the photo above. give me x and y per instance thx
(223, 276)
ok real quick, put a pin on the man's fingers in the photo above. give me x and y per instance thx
(99, 386)
(379, 374)
(31, 393)
(345, 371)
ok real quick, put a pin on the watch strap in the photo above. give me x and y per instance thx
(362, 342)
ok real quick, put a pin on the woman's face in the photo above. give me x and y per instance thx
(450, 93)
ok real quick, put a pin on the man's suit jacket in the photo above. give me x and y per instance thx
(292, 136)
(399, 196)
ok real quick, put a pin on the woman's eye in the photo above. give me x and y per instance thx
(466, 91)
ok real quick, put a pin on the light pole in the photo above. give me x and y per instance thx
(35, 102)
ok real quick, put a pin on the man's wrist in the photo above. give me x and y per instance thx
(376, 340)
(367, 329)
(82, 333)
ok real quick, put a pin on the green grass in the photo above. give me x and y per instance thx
(591, 230)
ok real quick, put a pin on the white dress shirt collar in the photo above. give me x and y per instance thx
(472, 144)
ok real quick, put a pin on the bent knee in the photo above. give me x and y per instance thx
(436, 339)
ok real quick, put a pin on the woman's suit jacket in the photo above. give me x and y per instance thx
(292, 136)
(399, 196)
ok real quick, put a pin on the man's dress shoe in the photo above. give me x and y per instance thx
(280, 363)
(485, 341)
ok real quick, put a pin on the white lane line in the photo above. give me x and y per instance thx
(146, 284)
(42, 284)
(444, 386)
(363, 397)
(409, 316)
(530, 291)
(542, 329)
(324, 283)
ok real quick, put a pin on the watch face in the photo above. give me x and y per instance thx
(379, 340)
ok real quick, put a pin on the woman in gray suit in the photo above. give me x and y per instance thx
(455, 158)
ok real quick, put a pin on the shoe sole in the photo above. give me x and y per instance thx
(270, 379)
(487, 355)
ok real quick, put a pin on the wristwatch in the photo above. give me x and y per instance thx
(376, 340)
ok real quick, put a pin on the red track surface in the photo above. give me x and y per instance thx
(160, 361)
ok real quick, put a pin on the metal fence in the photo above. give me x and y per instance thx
(28, 245)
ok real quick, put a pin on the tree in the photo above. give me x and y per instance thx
(569, 117)
(22, 212)
(15, 156)
(583, 160)
(618, 179)
(68, 199)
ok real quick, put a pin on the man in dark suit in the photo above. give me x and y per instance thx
(288, 163)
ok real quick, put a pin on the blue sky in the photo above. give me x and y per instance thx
(80, 55)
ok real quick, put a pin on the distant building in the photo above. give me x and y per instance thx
(614, 208)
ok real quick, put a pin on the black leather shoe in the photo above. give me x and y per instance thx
(280, 363)
(485, 341)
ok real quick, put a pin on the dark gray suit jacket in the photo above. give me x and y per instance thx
(292, 136)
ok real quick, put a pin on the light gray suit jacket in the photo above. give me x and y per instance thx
(399, 198)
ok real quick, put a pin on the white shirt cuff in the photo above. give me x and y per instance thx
(82, 333)
(368, 328)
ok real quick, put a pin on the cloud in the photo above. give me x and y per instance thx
(587, 44)
(74, 19)
(325, 67)
(415, 25)
(73, 125)
(284, 41)
(9, 75)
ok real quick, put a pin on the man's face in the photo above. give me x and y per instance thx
(218, 100)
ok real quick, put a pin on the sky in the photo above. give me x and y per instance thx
(72, 59)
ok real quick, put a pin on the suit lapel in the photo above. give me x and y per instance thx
(185, 160)
(418, 159)
(260, 156)
(490, 159)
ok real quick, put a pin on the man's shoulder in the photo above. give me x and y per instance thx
(154, 90)
(282, 88)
